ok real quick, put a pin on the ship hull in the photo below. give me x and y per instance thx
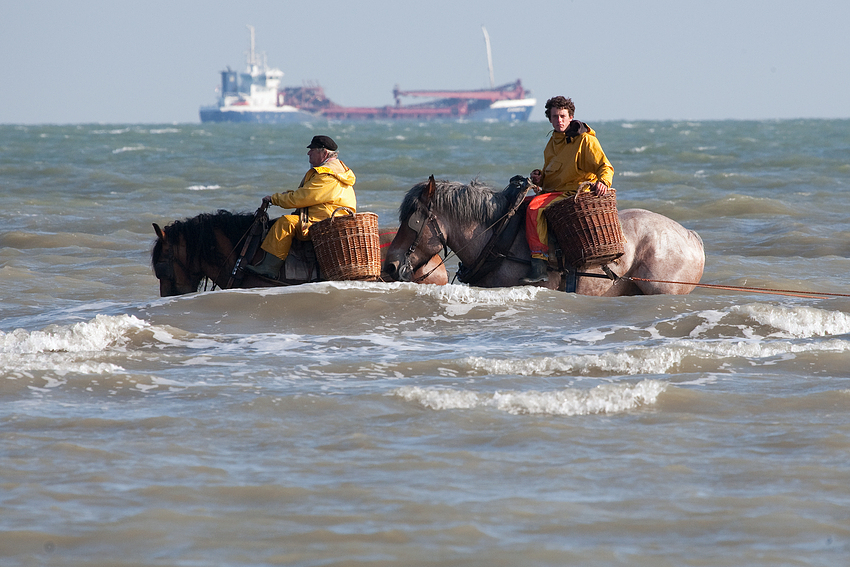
(499, 111)
(505, 111)
(278, 116)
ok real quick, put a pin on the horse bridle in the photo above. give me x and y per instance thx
(416, 222)
(164, 268)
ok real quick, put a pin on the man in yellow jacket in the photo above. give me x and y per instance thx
(572, 158)
(328, 184)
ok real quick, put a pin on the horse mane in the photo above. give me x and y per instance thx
(474, 202)
(199, 233)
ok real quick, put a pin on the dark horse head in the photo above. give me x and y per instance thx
(187, 251)
(433, 213)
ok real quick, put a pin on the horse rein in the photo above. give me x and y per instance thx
(256, 229)
(416, 222)
(421, 216)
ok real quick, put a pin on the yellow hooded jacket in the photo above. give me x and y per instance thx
(573, 157)
(323, 189)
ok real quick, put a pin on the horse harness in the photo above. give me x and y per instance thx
(416, 222)
(252, 241)
(164, 268)
(497, 248)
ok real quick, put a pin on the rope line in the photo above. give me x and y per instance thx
(791, 292)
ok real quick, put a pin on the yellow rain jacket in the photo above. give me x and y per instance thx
(323, 189)
(573, 157)
(570, 159)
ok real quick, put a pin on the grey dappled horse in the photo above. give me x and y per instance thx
(439, 214)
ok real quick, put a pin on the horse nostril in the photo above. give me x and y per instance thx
(391, 268)
(405, 273)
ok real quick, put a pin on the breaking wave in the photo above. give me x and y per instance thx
(606, 398)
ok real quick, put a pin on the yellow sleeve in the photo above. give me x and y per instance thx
(593, 159)
(318, 187)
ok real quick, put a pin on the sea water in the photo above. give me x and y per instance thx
(394, 424)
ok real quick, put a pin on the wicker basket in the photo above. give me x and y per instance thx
(587, 228)
(348, 247)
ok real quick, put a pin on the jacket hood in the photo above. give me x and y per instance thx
(574, 129)
(338, 169)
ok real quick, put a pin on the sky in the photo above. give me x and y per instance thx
(155, 61)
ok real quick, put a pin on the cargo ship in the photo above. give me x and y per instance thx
(256, 95)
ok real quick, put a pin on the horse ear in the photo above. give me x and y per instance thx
(158, 231)
(429, 191)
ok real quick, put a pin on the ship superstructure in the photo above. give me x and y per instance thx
(256, 96)
(253, 95)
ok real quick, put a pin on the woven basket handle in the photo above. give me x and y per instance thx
(584, 187)
(348, 210)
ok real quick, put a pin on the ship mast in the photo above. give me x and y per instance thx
(489, 56)
(251, 58)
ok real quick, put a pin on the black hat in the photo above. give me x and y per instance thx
(323, 142)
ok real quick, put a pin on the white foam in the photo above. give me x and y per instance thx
(96, 335)
(608, 398)
(128, 149)
(65, 349)
(458, 296)
(456, 299)
(655, 360)
(797, 321)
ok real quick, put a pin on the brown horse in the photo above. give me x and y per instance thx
(208, 246)
(661, 256)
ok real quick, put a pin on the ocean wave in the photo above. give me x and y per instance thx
(59, 350)
(679, 356)
(606, 398)
(203, 187)
(128, 149)
(797, 321)
(112, 131)
(320, 298)
(102, 332)
(100, 346)
(657, 360)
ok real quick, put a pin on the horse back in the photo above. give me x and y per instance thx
(301, 265)
(659, 248)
